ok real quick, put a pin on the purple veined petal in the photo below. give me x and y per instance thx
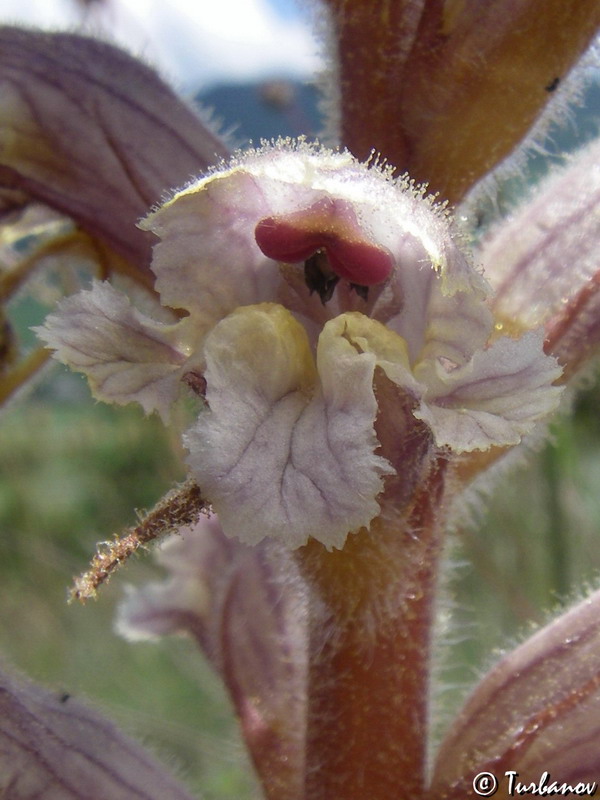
(207, 261)
(573, 335)
(52, 746)
(537, 710)
(94, 133)
(456, 327)
(245, 608)
(126, 355)
(280, 437)
(435, 298)
(495, 399)
(543, 262)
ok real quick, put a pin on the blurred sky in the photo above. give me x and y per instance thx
(195, 43)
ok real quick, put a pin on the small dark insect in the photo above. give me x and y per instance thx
(196, 382)
(553, 85)
(319, 277)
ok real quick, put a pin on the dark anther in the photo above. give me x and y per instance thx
(196, 382)
(361, 291)
(319, 277)
(553, 85)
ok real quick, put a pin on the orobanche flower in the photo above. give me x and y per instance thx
(303, 273)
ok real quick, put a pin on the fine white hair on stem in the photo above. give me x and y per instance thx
(328, 81)
(566, 95)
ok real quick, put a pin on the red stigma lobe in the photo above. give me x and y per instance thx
(327, 225)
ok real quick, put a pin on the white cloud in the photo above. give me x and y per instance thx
(194, 41)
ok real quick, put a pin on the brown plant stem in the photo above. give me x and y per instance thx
(24, 371)
(573, 334)
(179, 508)
(447, 90)
(373, 39)
(370, 619)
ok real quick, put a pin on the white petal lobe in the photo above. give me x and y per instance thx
(126, 355)
(495, 399)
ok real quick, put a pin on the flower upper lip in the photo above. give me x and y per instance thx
(329, 225)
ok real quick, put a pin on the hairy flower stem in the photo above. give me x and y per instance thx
(179, 508)
(371, 616)
(371, 74)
